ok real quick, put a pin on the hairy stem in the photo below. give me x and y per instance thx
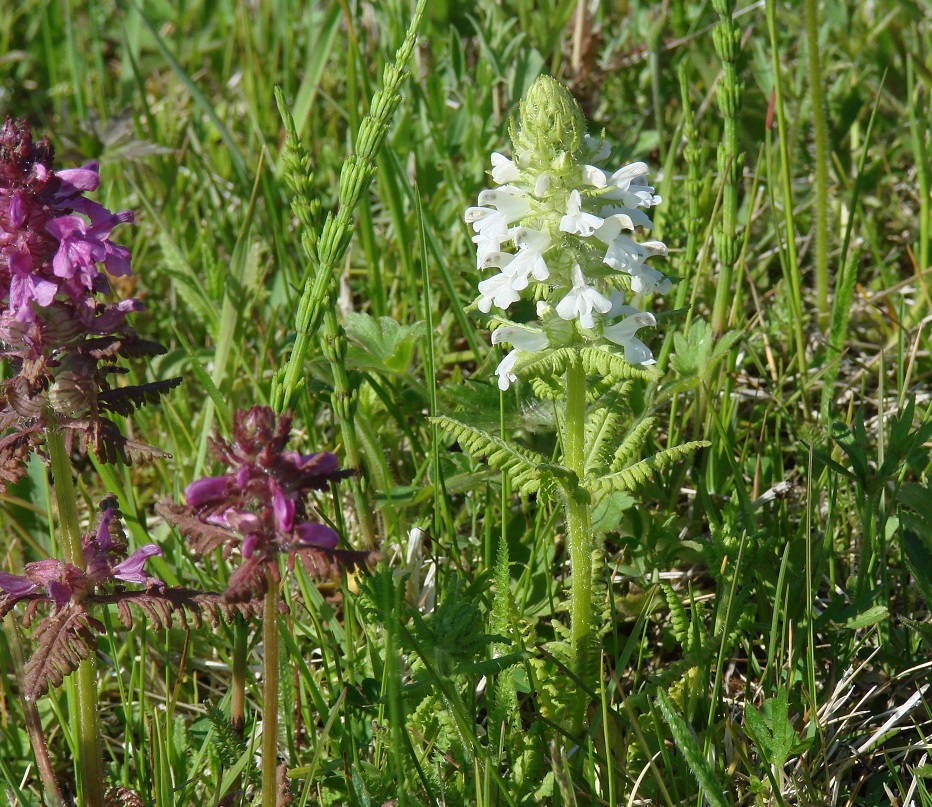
(90, 763)
(270, 696)
(579, 534)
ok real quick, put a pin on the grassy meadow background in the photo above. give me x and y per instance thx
(767, 600)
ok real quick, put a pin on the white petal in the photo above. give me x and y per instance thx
(521, 338)
(598, 148)
(513, 207)
(594, 176)
(646, 280)
(542, 185)
(503, 371)
(503, 169)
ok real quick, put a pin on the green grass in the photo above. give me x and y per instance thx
(767, 601)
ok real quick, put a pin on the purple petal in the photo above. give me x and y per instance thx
(205, 490)
(60, 593)
(63, 227)
(310, 534)
(250, 542)
(131, 570)
(117, 260)
(103, 531)
(283, 509)
(17, 210)
(78, 180)
(321, 462)
(15, 585)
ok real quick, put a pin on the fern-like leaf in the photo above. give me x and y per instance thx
(602, 363)
(679, 619)
(64, 639)
(125, 400)
(640, 472)
(632, 443)
(523, 466)
(602, 426)
(546, 364)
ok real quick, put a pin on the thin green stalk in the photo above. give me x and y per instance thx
(337, 232)
(344, 400)
(53, 794)
(238, 688)
(90, 762)
(270, 696)
(820, 134)
(727, 39)
(579, 536)
(791, 262)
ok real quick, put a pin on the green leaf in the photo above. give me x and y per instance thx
(919, 561)
(771, 730)
(685, 740)
(522, 465)
(640, 472)
(607, 513)
(380, 344)
(868, 617)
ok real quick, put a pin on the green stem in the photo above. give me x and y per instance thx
(727, 39)
(90, 762)
(270, 696)
(344, 405)
(238, 693)
(820, 131)
(579, 535)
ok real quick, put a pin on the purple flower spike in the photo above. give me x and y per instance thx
(261, 506)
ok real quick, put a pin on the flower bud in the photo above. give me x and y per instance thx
(550, 124)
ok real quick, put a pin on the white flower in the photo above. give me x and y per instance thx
(507, 209)
(503, 169)
(621, 218)
(502, 290)
(523, 339)
(629, 186)
(504, 370)
(581, 301)
(623, 333)
(646, 280)
(598, 149)
(576, 219)
(626, 255)
(487, 245)
(592, 175)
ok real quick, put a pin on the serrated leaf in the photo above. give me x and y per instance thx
(523, 465)
(381, 343)
(640, 472)
(771, 730)
(632, 443)
(608, 511)
(600, 362)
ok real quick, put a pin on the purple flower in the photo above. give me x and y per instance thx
(52, 239)
(16, 586)
(131, 570)
(260, 505)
